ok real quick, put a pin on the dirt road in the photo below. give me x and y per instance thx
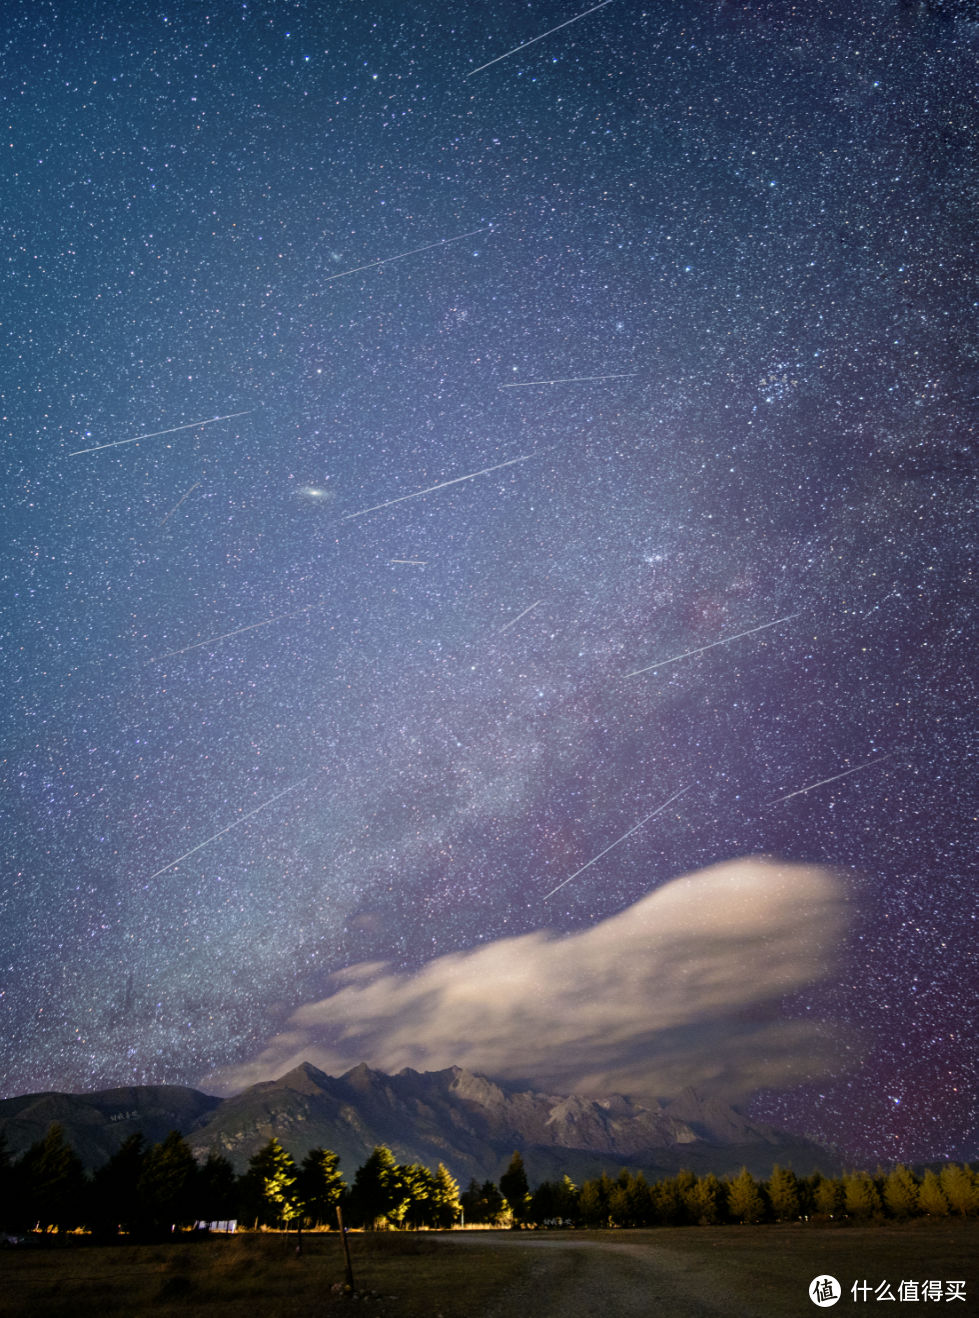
(589, 1279)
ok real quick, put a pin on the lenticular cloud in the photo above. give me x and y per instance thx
(681, 988)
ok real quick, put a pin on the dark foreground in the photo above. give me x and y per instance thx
(727, 1272)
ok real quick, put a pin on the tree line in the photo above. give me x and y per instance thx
(144, 1191)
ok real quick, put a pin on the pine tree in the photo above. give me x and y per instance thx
(279, 1184)
(744, 1201)
(377, 1190)
(931, 1200)
(830, 1197)
(214, 1193)
(114, 1200)
(668, 1202)
(445, 1207)
(167, 1186)
(641, 1209)
(959, 1187)
(901, 1192)
(515, 1189)
(862, 1197)
(595, 1199)
(52, 1182)
(705, 1200)
(320, 1185)
(783, 1194)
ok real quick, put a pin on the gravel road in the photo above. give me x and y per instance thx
(591, 1279)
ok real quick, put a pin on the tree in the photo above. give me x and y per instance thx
(515, 1189)
(167, 1185)
(959, 1188)
(114, 1200)
(594, 1205)
(901, 1192)
(829, 1197)
(668, 1202)
(279, 1183)
(705, 1200)
(52, 1182)
(931, 1200)
(214, 1193)
(320, 1185)
(482, 1204)
(377, 1189)
(744, 1201)
(862, 1197)
(445, 1205)
(783, 1194)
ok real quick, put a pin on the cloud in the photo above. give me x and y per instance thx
(681, 988)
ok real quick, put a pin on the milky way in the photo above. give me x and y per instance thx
(740, 242)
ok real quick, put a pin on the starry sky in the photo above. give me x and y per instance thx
(760, 221)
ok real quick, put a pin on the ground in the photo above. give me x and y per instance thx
(705, 1272)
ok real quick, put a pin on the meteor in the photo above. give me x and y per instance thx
(519, 616)
(658, 810)
(687, 654)
(229, 828)
(191, 425)
(418, 493)
(822, 783)
(179, 502)
(414, 251)
(573, 379)
(584, 14)
(213, 640)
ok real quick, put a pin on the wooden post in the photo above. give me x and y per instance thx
(346, 1250)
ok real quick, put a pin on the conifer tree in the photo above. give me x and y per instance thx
(744, 1201)
(114, 1200)
(167, 1184)
(668, 1202)
(705, 1200)
(279, 1184)
(445, 1207)
(830, 1197)
(320, 1185)
(783, 1194)
(377, 1189)
(862, 1197)
(52, 1182)
(215, 1190)
(901, 1193)
(515, 1189)
(931, 1199)
(641, 1210)
(482, 1204)
(959, 1187)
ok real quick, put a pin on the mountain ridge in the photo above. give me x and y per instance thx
(455, 1116)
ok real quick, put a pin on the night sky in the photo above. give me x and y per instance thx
(763, 219)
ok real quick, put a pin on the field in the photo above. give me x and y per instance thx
(729, 1272)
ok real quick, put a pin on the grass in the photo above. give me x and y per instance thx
(772, 1266)
(257, 1275)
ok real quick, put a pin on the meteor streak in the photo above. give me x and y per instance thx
(519, 616)
(658, 810)
(213, 640)
(191, 425)
(229, 828)
(822, 783)
(414, 251)
(572, 379)
(677, 657)
(420, 562)
(418, 493)
(584, 14)
(179, 502)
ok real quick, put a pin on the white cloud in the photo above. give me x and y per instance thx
(680, 988)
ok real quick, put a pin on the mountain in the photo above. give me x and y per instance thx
(96, 1124)
(453, 1116)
